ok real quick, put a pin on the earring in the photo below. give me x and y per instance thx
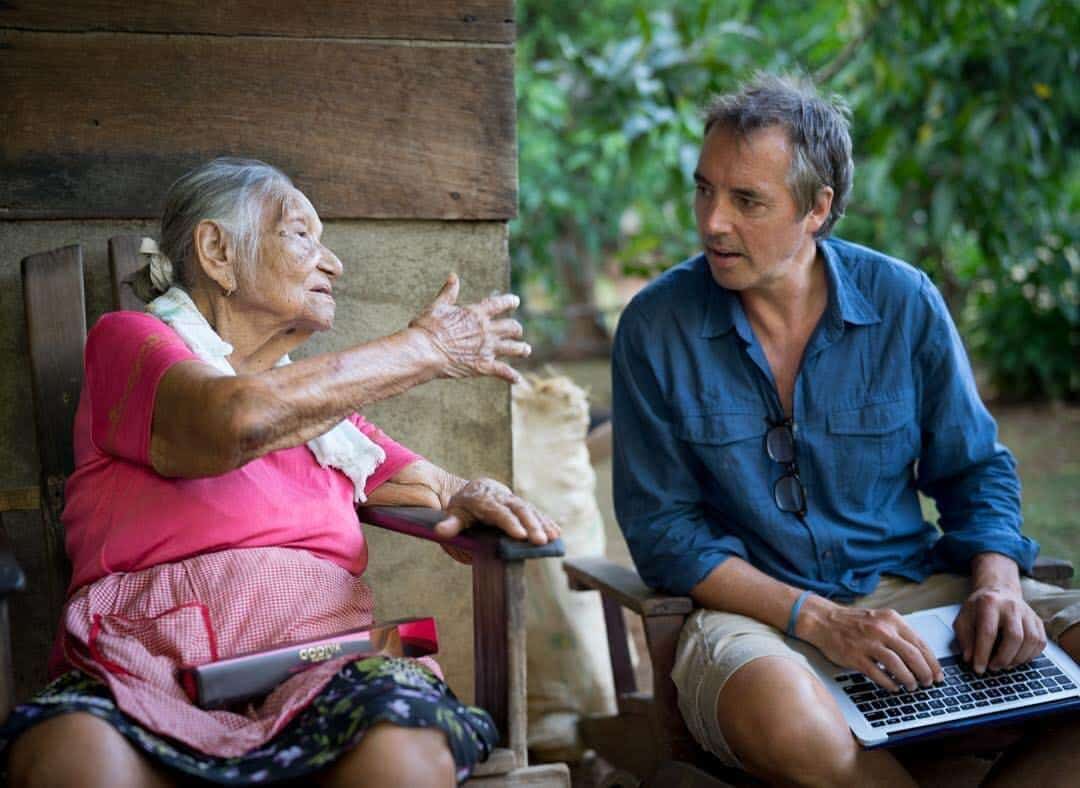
(229, 290)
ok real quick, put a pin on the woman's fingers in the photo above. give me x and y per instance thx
(507, 328)
(551, 528)
(499, 369)
(530, 518)
(451, 526)
(449, 293)
(505, 519)
(468, 338)
(511, 347)
(497, 304)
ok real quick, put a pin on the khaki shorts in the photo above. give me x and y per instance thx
(714, 645)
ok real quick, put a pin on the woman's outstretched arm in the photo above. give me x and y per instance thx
(206, 423)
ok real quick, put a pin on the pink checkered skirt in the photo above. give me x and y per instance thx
(135, 630)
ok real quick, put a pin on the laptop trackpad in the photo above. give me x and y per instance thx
(938, 635)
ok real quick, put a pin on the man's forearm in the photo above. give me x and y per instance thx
(737, 587)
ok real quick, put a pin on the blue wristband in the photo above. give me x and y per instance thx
(794, 617)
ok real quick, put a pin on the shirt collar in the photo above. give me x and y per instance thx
(847, 304)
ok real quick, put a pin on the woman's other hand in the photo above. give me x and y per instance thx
(470, 338)
(492, 503)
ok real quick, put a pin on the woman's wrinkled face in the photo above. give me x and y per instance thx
(292, 280)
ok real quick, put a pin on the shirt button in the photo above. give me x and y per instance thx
(827, 554)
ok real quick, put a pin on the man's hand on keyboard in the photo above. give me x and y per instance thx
(996, 628)
(877, 643)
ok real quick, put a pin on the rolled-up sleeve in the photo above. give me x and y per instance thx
(657, 481)
(970, 476)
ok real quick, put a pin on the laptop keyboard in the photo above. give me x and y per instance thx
(961, 691)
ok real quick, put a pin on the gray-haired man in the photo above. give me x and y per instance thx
(779, 401)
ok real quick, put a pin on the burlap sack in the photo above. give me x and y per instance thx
(569, 674)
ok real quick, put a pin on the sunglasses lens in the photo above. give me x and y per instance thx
(780, 444)
(788, 494)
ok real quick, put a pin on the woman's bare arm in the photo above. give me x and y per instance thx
(206, 423)
(421, 483)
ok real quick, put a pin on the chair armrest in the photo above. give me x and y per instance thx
(12, 577)
(624, 585)
(498, 592)
(1056, 571)
(420, 521)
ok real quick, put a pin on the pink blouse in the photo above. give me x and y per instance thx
(122, 516)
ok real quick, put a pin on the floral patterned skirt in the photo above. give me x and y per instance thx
(362, 693)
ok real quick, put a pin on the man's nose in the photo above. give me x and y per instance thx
(329, 262)
(718, 217)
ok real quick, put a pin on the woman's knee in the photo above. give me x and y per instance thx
(782, 724)
(392, 755)
(77, 749)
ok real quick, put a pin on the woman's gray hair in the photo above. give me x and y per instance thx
(229, 191)
(818, 129)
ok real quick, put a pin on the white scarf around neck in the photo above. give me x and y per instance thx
(343, 447)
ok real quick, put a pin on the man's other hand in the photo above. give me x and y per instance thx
(996, 628)
(877, 643)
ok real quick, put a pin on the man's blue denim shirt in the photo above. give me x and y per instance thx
(884, 406)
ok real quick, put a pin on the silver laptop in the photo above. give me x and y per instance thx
(879, 718)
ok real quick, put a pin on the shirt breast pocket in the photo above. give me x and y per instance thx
(874, 447)
(730, 444)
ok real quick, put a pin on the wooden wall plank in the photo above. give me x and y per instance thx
(442, 20)
(97, 125)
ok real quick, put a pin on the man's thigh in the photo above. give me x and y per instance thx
(712, 647)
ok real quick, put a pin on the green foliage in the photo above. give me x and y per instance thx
(965, 118)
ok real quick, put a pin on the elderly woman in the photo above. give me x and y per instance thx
(211, 513)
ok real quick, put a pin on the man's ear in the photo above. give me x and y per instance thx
(819, 212)
(215, 254)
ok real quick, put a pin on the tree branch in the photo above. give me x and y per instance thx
(832, 68)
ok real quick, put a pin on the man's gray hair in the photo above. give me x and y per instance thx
(231, 192)
(818, 129)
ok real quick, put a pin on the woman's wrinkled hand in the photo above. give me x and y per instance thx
(492, 503)
(878, 643)
(470, 338)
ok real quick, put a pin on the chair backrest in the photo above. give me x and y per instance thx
(55, 303)
(124, 261)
